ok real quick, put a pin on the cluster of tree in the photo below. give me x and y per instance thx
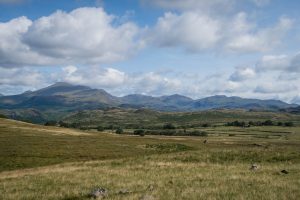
(3, 116)
(259, 123)
(170, 132)
(142, 132)
(139, 132)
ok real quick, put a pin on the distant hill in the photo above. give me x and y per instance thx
(221, 101)
(63, 98)
(292, 110)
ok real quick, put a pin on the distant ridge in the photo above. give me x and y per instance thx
(65, 97)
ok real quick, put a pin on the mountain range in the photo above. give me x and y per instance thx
(61, 98)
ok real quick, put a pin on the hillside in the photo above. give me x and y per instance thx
(59, 100)
(143, 118)
(59, 163)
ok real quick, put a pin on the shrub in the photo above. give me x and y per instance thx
(63, 124)
(236, 123)
(100, 128)
(289, 124)
(119, 131)
(3, 116)
(169, 126)
(198, 133)
(205, 125)
(139, 132)
(268, 123)
(50, 123)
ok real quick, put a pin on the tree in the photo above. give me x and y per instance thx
(100, 128)
(119, 131)
(289, 124)
(50, 123)
(169, 126)
(268, 123)
(139, 132)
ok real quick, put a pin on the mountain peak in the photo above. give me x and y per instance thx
(61, 84)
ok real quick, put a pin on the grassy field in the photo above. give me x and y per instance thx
(38, 162)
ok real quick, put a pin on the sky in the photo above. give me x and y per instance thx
(197, 48)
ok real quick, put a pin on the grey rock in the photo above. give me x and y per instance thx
(123, 191)
(150, 188)
(98, 193)
(254, 167)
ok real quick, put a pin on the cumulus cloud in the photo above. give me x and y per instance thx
(196, 32)
(95, 76)
(85, 35)
(119, 82)
(276, 88)
(244, 38)
(12, 49)
(190, 30)
(21, 77)
(155, 84)
(242, 74)
(284, 63)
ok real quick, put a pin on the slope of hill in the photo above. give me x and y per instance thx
(293, 110)
(39, 162)
(61, 99)
(221, 101)
(149, 119)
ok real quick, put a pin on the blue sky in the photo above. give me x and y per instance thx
(198, 48)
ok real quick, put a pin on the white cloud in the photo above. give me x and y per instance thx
(196, 32)
(95, 77)
(296, 99)
(190, 30)
(21, 77)
(85, 35)
(154, 84)
(12, 49)
(242, 74)
(275, 88)
(284, 63)
(243, 37)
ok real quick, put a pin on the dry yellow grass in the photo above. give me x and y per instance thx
(169, 177)
(216, 170)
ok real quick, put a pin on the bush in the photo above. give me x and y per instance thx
(3, 116)
(279, 124)
(50, 123)
(198, 133)
(169, 126)
(139, 132)
(63, 124)
(236, 123)
(289, 124)
(205, 125)
(100, 128)
(268, 123)
(119, 131)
